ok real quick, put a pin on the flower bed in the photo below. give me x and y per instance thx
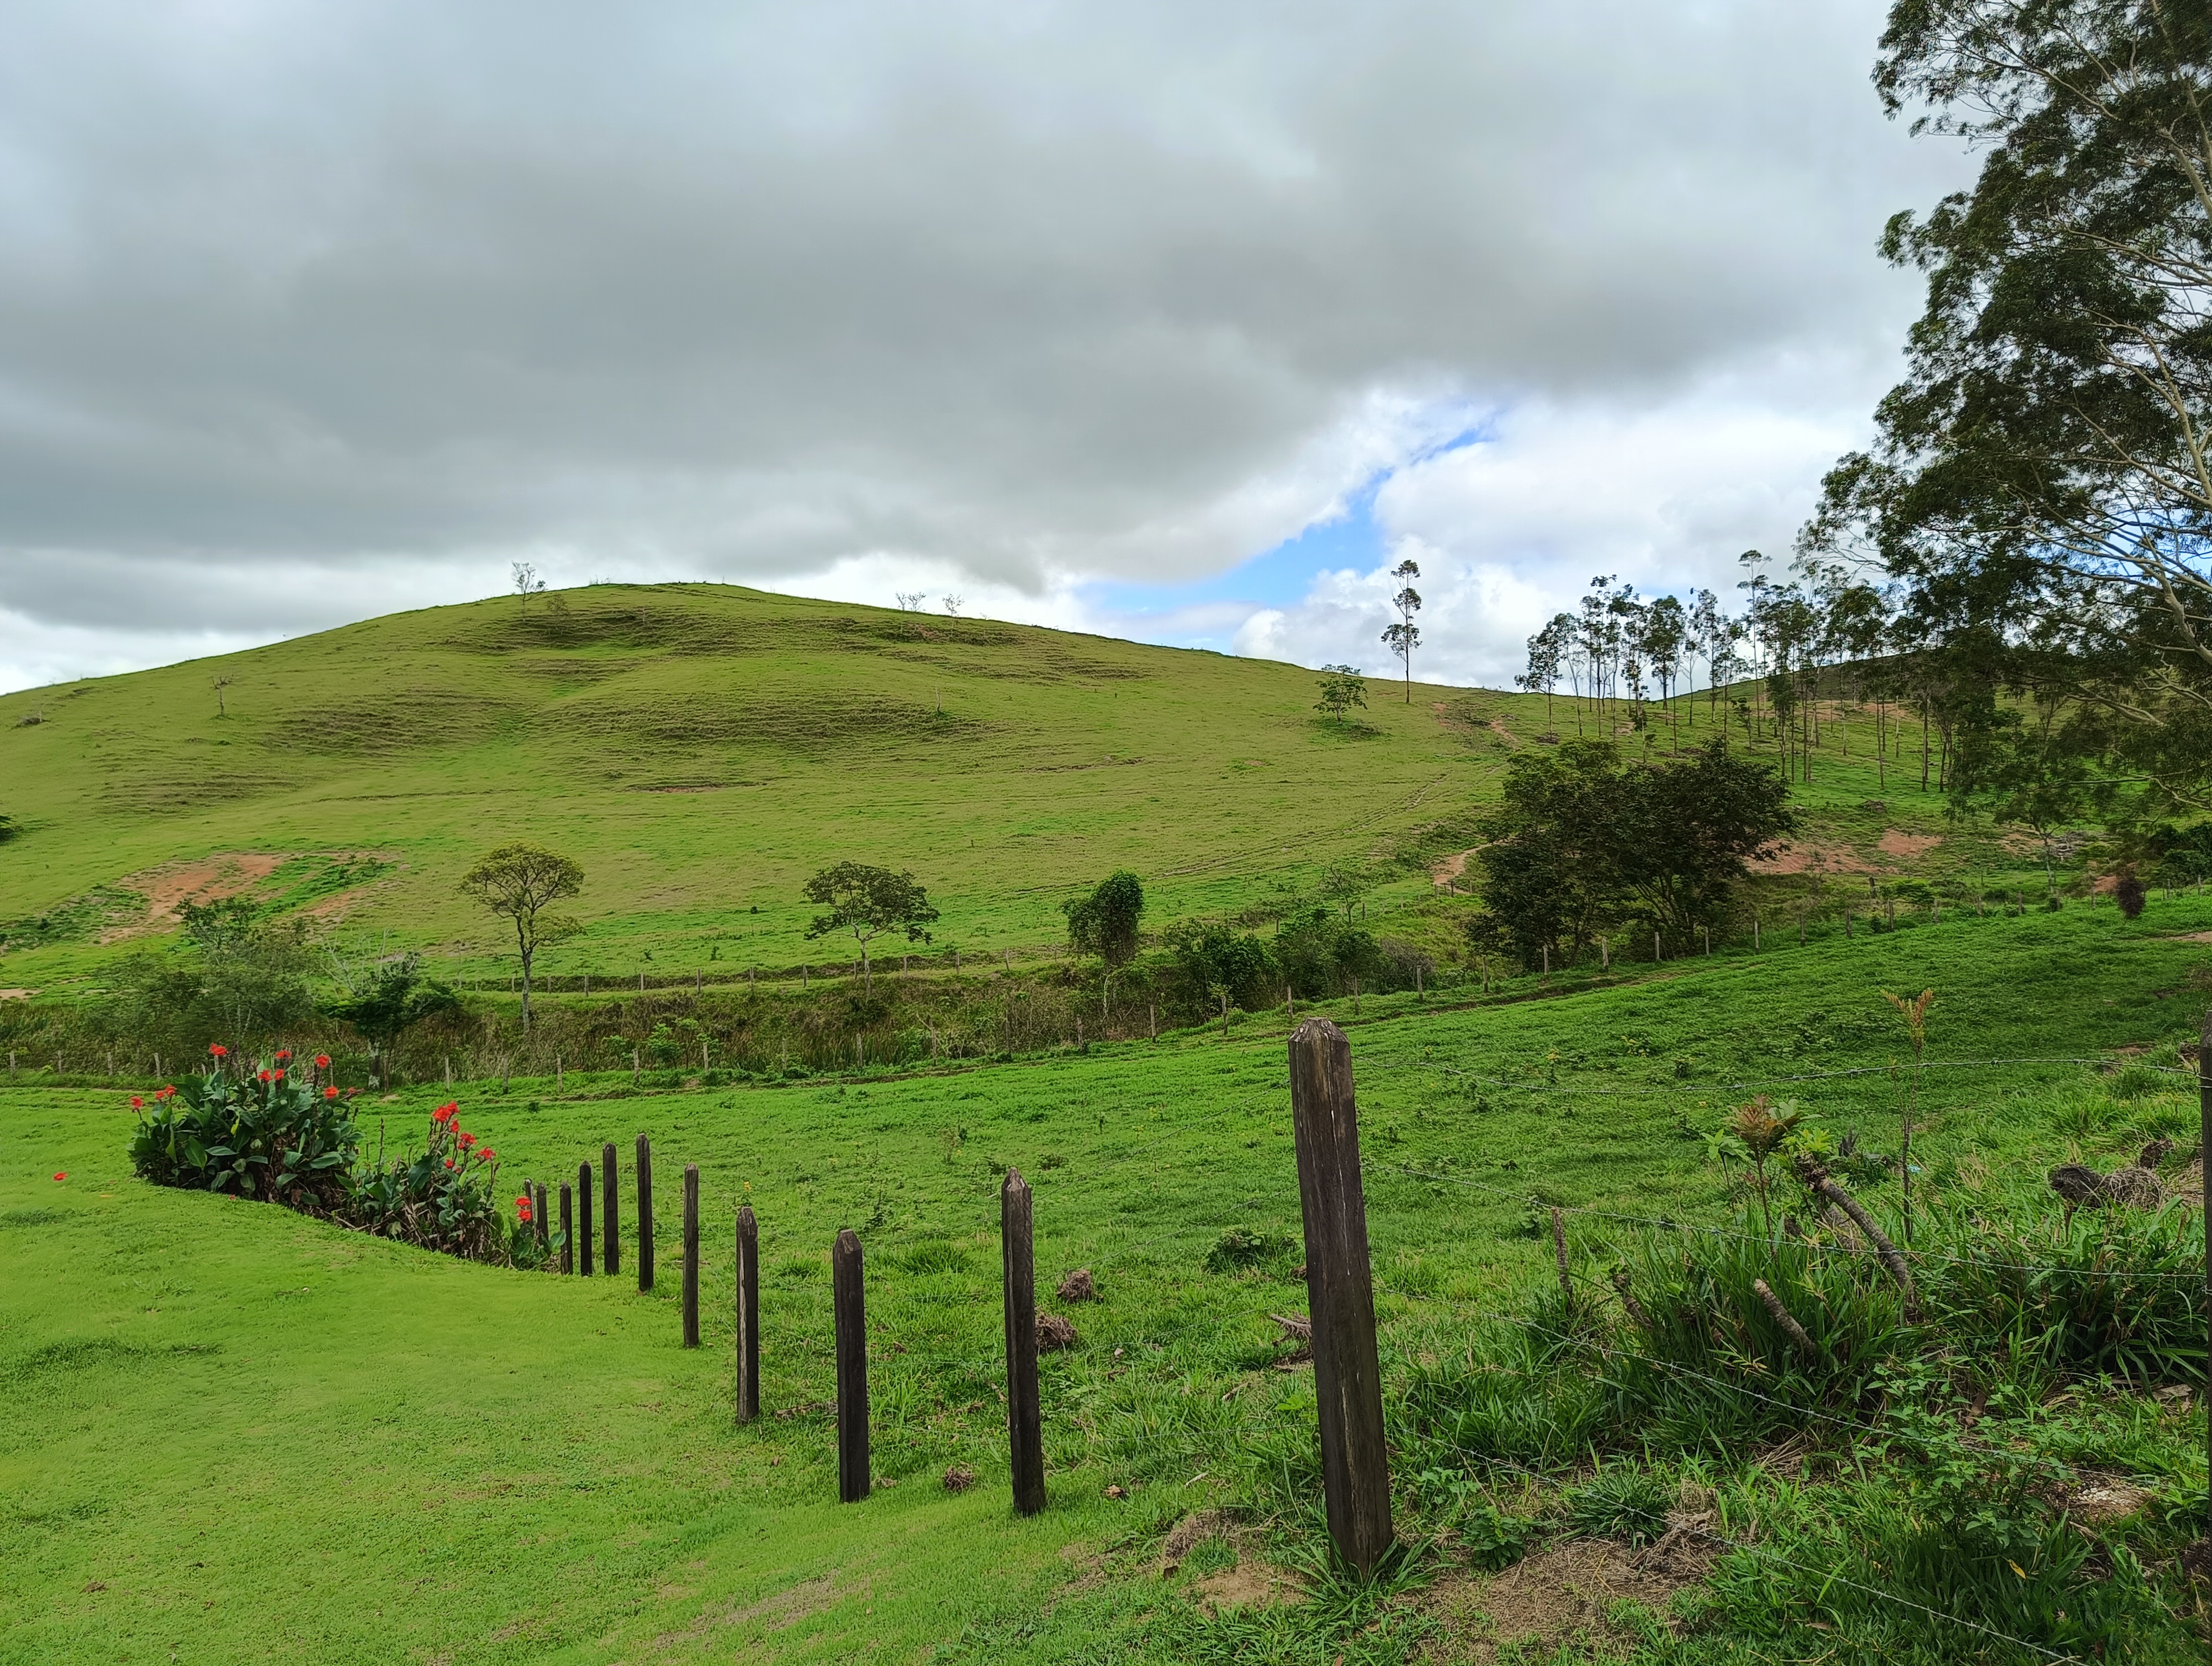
(283, 1135)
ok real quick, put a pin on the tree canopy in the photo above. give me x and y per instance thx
(387, 1000)
(1581, 843)
(521, 882)
(2041, 481)
(868, 901)
(1104, 922)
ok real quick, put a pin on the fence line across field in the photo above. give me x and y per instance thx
(1663, 1090)
(1665, 1223)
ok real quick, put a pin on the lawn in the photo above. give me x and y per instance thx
(232, 1433)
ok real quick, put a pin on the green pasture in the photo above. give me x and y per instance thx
(230, 1434)
(703, 749)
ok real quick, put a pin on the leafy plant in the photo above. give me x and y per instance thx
(273, 1135)
(445, 1198)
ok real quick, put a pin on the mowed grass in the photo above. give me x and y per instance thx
(231, 1433)
(701, 749)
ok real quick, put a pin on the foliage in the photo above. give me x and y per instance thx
(274, 1135)
(237, 975)
(1104, 922)
(1403, 637)
(445, 1198)
(1322, 955)
(868, 901)
(1581, 842)
(2038, 478)
(1342, 688)
(519, 882)
(1210, 957)
(388, 1000)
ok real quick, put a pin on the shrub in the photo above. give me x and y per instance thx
(272, 1136)
(443, 1198)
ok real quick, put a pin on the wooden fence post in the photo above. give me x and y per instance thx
(690, 1254)
(852, 1324)
(584, 1219)
(610, 1213)
(537, 1208)
(644, 1213)
(1024, 1421)
(748, 1315)
(1339, 1288)
(567, 1230)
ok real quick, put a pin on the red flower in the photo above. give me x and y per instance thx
(329, 1093)
(62, 1176)
(280, 1075)
(264, 1076)
(445, 1113)
(449, 1162)
(137, 1104)
(522, 1210)
(216, 1049)
(465, 1139)
(485, 1154)
(283, 1055)
(322, 1061)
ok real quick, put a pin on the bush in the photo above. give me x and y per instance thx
(272, 1136)
(279, 1138)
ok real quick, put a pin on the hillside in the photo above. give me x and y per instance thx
(701, 749)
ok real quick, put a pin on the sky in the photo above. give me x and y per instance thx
(1185, 323)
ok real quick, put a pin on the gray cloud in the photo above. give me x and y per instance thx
(301, 305)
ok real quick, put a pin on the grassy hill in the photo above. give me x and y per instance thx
(231, 1433)
(701, 749)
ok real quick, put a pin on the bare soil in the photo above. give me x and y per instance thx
(167, 888)
(1560, 1595)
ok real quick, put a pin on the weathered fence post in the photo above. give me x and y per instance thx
(644, 1213)
(567, 1230)
(1340, 1289)
(748, 1315)
(610, 1213)
(852, 1325)
(584, 1219)
(1024, 1420)
(690, 1254)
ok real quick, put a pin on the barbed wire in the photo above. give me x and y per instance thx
(1663, 1090)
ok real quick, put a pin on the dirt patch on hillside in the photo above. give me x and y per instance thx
(1812, 859)
(167, 888)
(1561, 1595)
(15, 994)
(1446, 873)
(1898, 842)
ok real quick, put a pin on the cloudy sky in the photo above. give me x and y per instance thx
(1182, 322)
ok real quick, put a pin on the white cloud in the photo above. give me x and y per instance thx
(374, 297)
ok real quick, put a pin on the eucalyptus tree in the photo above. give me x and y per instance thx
(2042, 477)
(1405, 635)
(1547, 657)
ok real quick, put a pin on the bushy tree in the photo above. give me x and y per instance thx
(1214, 958)
(383, 1001)
(1580, 840)
(236, 976)
(868, 901)
(1104, 922)
(1342, 688)
(1322, 954)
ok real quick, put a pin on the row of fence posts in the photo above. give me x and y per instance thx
(1339, 1288)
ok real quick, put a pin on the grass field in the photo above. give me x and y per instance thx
(231, 1433)
(701, 749)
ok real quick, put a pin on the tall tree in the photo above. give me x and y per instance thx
(1405, 636)
(521, 882)
(1547, 656)
(868, 901)
(2043, 476)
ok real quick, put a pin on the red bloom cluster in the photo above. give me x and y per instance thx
(266, 1077)
(445, 1113)
(485, 1154)
(283, 1055)
(522, 1210)
(322, 1061)
(329, 1093)
(465, 1140)
(137, 1104)
(217, 1050)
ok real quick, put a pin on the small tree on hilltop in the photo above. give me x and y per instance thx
(521, 882)
(868, 901)
(1105, 922)
(1342, 688)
